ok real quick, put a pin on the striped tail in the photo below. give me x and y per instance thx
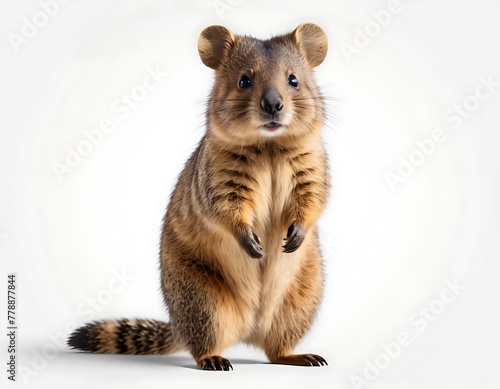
(139, 337)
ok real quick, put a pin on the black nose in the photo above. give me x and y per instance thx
(271, 101)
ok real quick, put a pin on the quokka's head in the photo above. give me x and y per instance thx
(264, 88)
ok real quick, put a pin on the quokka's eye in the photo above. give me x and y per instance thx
(292, 81)
(245, 82)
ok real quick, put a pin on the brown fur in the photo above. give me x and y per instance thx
(241, 183)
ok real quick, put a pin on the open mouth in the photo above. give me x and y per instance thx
(271, 126)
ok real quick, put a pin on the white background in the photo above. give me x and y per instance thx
(387, 253)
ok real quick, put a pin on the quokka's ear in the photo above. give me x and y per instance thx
(214, 44)
(312, 41)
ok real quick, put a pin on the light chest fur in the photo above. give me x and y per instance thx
(256, 288)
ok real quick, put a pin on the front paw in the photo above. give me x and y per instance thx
(294, 237)
(251, 243)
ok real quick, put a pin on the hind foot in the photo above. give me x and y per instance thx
(215, 362)
(300, 360)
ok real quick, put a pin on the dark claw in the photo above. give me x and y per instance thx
(295, 237)
(315, 360)
(207, 364)
(320, 359)
(227, 365)
(251, 243)
(218, 365)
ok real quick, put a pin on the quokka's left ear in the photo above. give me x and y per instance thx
(312, 41)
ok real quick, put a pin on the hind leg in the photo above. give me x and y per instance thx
(200, 304)
(294, 317)
(198, 327)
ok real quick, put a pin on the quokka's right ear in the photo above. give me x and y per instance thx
(214, 44)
